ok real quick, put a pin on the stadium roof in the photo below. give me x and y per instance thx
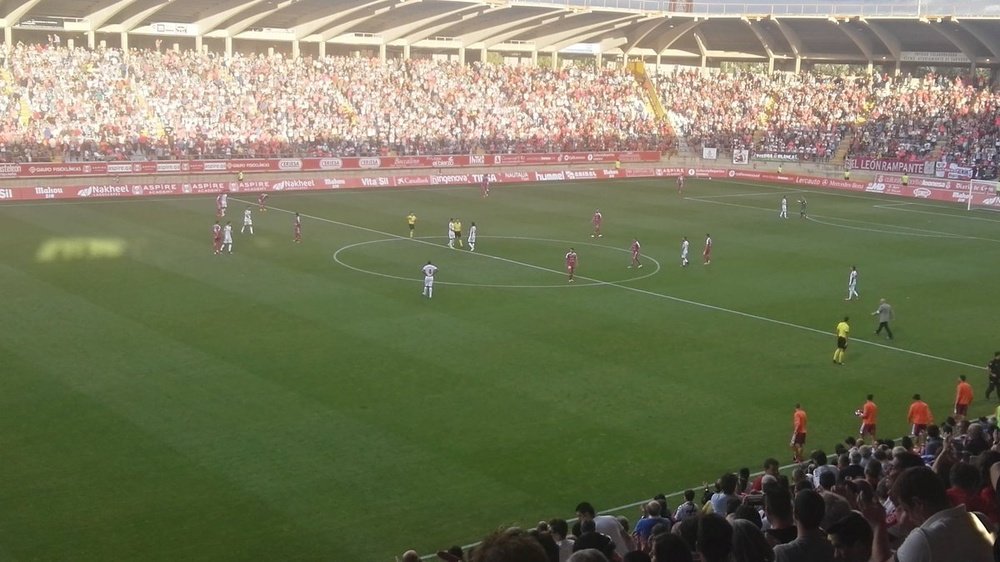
(752, 30)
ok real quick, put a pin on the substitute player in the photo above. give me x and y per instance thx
(429, 270)
(963, 397)
(869, 418)
(571, 263)
(473, 232)
(684, 251)
(799, 420)
(843, 330)
(247, 221)
(596, 220)
(411, 221)
(635, 254)
(920, 417)
(706, 254)
(297, 228)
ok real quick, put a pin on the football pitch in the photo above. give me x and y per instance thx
(305, 402)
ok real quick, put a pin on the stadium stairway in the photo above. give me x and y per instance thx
(841, 153)
(638, 70)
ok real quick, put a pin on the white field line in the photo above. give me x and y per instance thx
(652, 294)
(826, 333)
(917, 232)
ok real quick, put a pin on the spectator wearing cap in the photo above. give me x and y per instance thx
(810, 544)
(851, 537)
(940, 531)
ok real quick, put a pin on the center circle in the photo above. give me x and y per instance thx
(425, 240)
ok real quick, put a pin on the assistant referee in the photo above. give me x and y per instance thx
(843, 329)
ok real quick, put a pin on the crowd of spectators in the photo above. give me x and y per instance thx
(870, 501)
(79, 104)
(104, 104)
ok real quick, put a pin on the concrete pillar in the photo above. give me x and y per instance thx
(798, 64)
(229, 46)
(295, 48)
(482, 54)
(871, 68)
(124, 39)
(91, 39)
(534, 57)
(770, 64)
(197, 43)
(704, 61)
(461, 55)
(406, 51)
(895, 71)
(658, 63)
(322, 49)
(270, 51)
(7, 38)
(71, 44)
(381, 52)
(600, 60)
(555, 60)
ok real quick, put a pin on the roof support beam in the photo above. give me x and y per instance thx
(100, 17)
(864, 45)
(670, 37)
(207, 24)
(371, 8)
(701, 48)
(989, 41)
(497, 38)
(791, 36)
(410, 29)
(502, 30)
(890, 41)
(577, 34)
(640, 32)
(961, 42)
(763, 43)
(14, 16)
(132, 22)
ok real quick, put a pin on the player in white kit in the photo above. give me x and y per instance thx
(247, 221)
(227, 237)
(784, 208)
(451, 233)
(472, 237)
(429, 270)
(684, 252)
(852, 284)
(223, 203)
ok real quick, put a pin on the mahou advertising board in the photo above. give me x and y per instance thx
(983, 194)
(328, 164)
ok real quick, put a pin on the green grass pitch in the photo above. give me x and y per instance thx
(304, 402)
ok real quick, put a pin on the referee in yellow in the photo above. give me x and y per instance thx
(411, 220)
(843, 329)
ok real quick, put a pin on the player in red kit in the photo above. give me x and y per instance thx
(217, 238)
(707, 254)
(571, 263)
(297, 226)
(485, 186)
(680, 185)
(635, 254)
(218, 206)
(597, 224)
(262, 202)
